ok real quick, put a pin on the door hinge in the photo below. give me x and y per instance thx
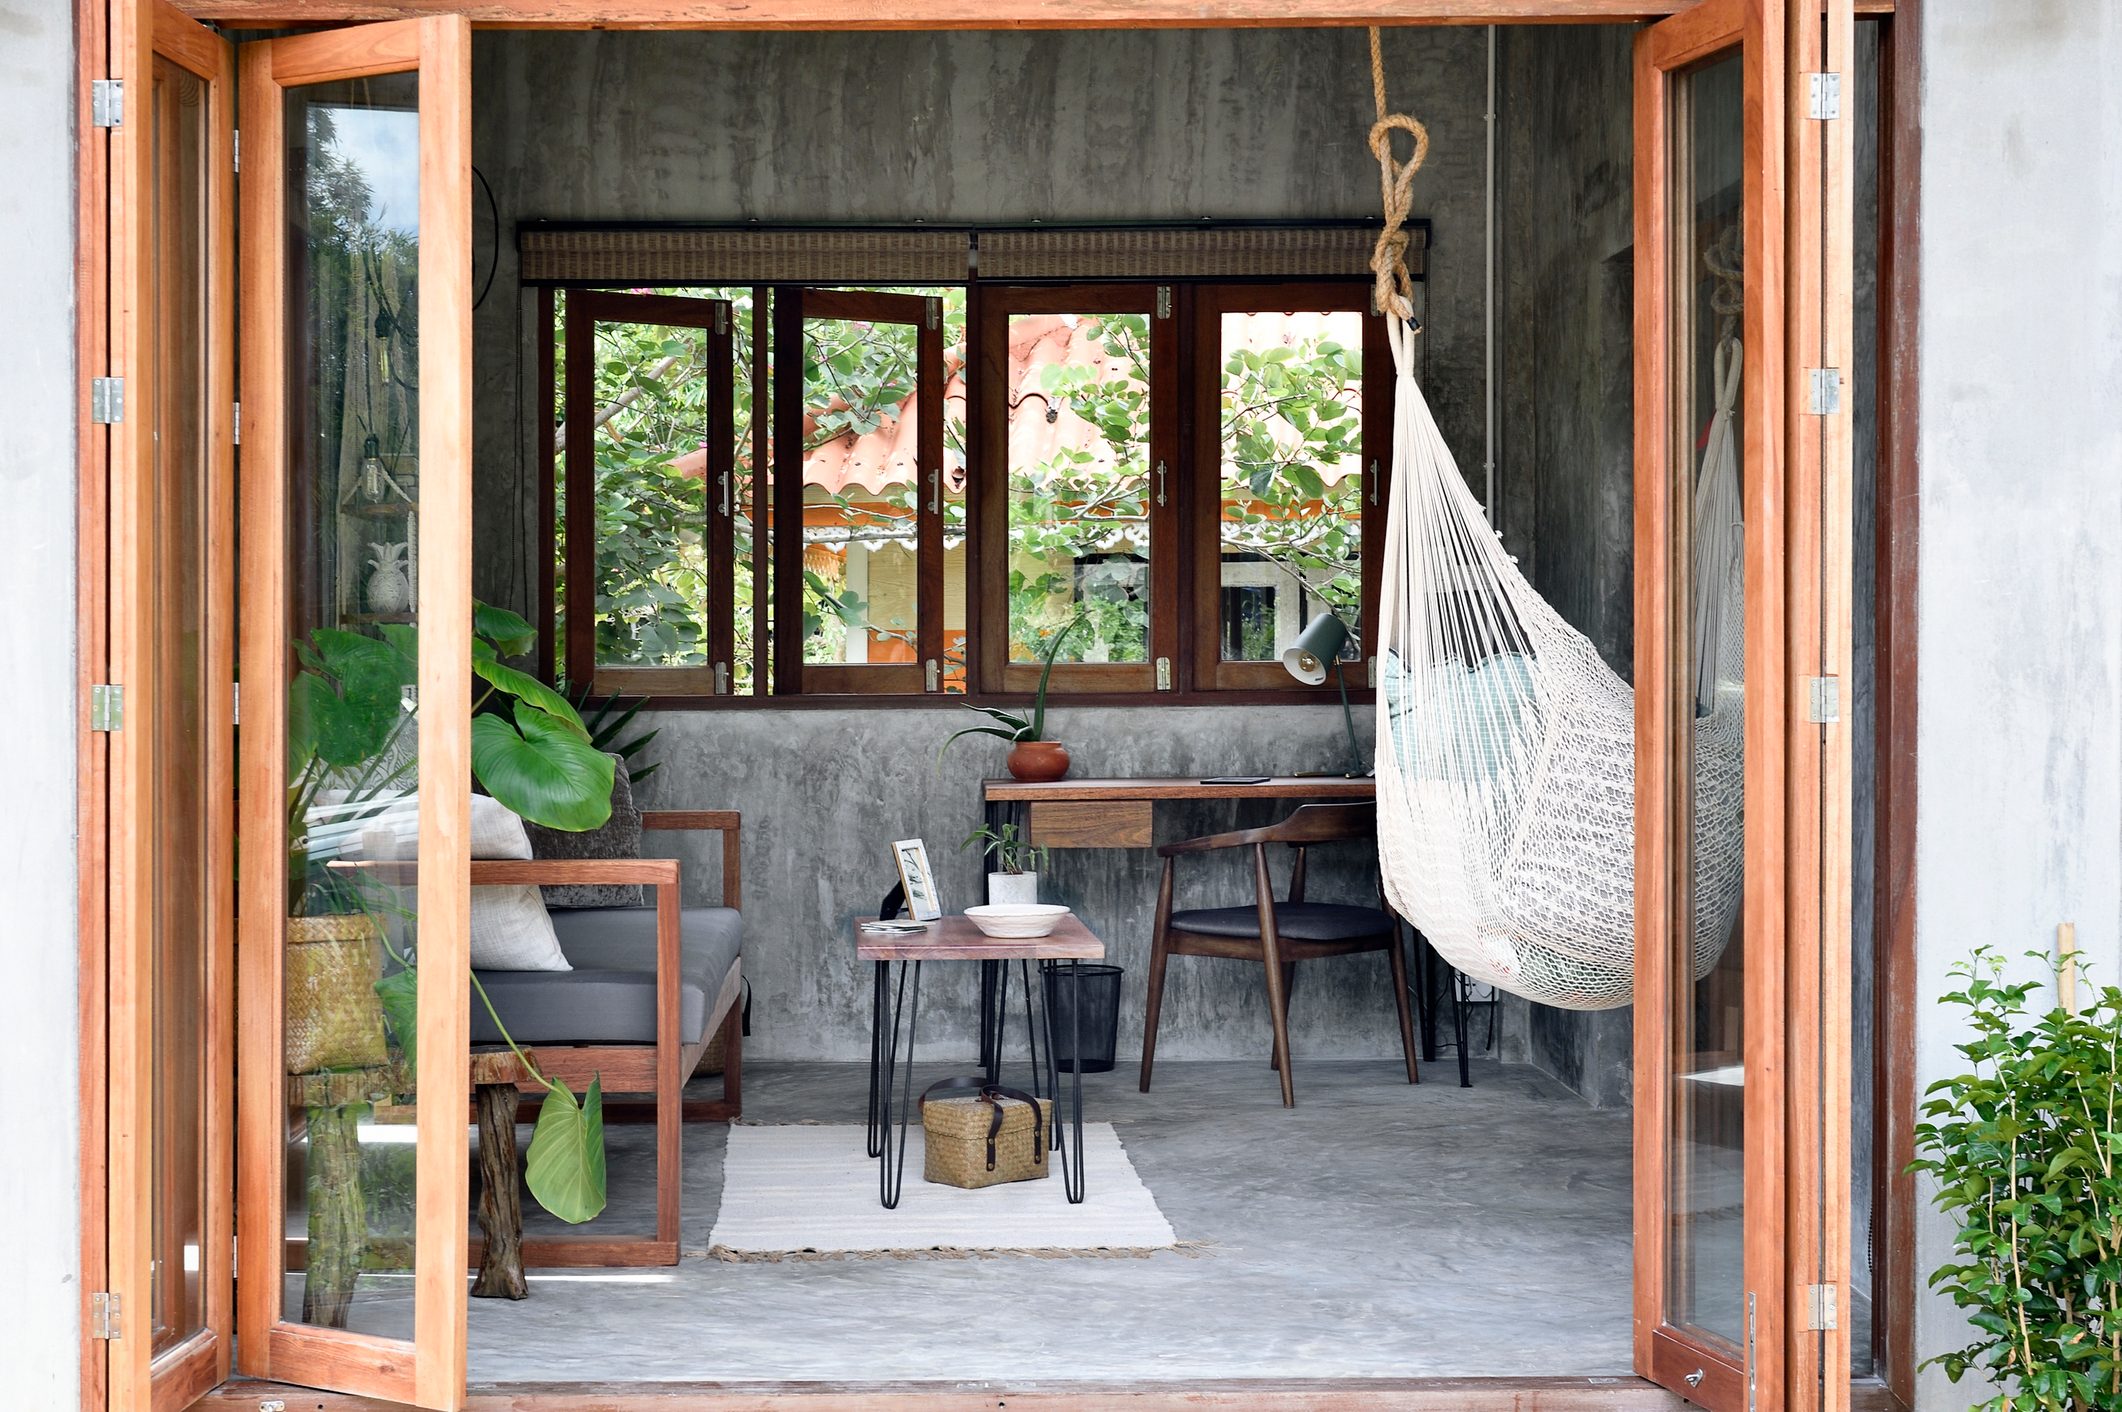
(1824, 398)
(1823, 97)
(106, 707)
(235, 149)
(721, 317)
(1164, 674)
(721, 678)
(932, 672)
(235, 704)
(935, 313)
(236, 424)
(106, 102)
(1164, 301)
(103, 1315)
(1823, 700)
(1753, 1383)
(1820, 1306)
(106, 400)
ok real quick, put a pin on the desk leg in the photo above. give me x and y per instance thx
(1069, 1151)
(891, 1156)
(992, 975)
(877, 1020)
(500, 1202)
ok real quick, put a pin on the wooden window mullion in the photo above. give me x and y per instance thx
(929, 492)
(721, 499)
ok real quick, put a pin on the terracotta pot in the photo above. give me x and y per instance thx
(1037, 761)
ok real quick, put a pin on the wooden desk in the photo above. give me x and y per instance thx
(1119, 813)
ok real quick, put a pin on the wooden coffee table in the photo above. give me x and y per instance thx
(955, 938)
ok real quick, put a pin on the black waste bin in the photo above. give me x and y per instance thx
(1086, 1016)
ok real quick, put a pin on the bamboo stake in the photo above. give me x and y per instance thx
(2067, 972)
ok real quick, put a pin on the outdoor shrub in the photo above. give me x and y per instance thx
(2024, 1151)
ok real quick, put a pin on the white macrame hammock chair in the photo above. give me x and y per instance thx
(1506, 749)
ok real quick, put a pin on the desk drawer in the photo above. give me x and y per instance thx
(1093, 823)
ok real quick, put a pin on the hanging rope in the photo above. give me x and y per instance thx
(1394, 290)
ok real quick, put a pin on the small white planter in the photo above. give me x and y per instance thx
(1012, 887)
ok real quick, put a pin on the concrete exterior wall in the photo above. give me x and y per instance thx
(2019, 597)
(39, 1327)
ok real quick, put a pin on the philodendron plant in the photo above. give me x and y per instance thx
(351, 729)
(2028, 1162)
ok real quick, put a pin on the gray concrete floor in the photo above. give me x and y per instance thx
(1377, 1230)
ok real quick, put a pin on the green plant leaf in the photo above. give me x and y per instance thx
(400, 993)
(543, 770)
(528, 690)
(564, 1168)
(509, 632)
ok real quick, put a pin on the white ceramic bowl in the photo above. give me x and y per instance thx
(1017, 921)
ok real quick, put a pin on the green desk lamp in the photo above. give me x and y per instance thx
(1307, 659)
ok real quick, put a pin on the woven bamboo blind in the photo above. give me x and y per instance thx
(1188, 252)
(677, 255)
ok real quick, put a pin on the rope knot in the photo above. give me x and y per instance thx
(1393, 290)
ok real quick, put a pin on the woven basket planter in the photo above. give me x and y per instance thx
(955, 1135)
(334, 1019)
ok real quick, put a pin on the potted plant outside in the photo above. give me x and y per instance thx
(1032, 757)
(1016, 859)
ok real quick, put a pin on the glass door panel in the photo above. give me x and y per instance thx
(356, 653)
(172, 763)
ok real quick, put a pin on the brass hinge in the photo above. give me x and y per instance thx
(1823, 96)
(106, 707)
(106, 401)
(1820, 1307)
(1823, 700)
(1824, 397)
(1164, 301)
(103, 1315)
(106, 102)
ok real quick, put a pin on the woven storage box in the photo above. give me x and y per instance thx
(334, 1019)
(955, 1133)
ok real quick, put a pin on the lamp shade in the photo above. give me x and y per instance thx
(1316, 649)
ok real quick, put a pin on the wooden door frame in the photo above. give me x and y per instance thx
(1897, 531)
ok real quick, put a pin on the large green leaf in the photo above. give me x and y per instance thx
(564, 1168)
(544, 771)
(507, 631)
(400, 993)
(529, 690)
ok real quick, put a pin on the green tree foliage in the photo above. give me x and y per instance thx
(2024, 1152)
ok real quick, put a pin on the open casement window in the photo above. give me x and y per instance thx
(1082, 490)
(652, 499)
(355, 591)
(1292, 411)
(1742, 613)
(862, 500)
(171, 768)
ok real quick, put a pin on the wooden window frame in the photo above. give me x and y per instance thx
(989, 642)
(714, 317)
(1204, 529)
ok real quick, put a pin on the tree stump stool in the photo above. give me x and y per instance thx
(494, 1076)
(333, 1104)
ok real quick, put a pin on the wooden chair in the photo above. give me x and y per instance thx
(1278, 934)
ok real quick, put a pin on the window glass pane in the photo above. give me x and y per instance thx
(353, 459)
(650, 430)
(1290, 480)
(863, 488)
(1079, 485)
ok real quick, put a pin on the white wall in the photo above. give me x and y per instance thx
(2019, 744)
(39, 1207)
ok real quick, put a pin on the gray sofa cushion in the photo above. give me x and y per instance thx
(620, 837)
(1299, 921)
(610, 996)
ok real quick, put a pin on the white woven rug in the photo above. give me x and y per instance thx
(807, 1192)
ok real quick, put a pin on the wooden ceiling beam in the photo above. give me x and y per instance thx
(936, 14)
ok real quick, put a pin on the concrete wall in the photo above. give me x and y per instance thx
(39, 1327)
(2019, 597)
(973, 127)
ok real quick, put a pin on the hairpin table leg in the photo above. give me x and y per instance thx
(891, 1159)
(1070, 1150)
(877, 1017)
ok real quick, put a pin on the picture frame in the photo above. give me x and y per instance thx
(923, 903)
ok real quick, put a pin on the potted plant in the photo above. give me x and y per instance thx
(351, 762)
(1032, 756)
(1016, 862)
(2024, 1155)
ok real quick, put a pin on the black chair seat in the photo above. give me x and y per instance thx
(1294, 921)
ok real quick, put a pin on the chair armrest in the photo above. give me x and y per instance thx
(727, 822)
(1209, 843)
(523, 872)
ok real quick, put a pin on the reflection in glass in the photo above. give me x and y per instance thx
(184, 917)
(1707, 1142)
(1080, 481)
(1290, 479)
(353, 462)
